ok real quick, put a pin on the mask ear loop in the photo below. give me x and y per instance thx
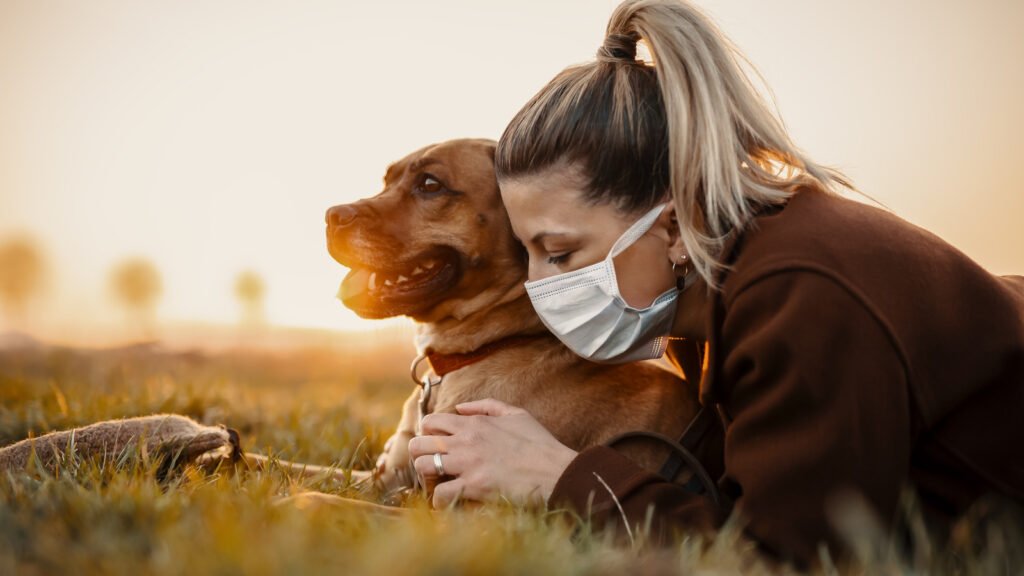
(628, 238)
(634, 232)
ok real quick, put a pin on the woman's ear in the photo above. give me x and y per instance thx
(665, 226)
(668, 228)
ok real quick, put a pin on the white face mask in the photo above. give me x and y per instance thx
(585, 310)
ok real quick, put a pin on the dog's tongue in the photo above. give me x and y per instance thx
(354, 284)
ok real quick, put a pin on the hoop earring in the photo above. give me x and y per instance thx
(683, 259)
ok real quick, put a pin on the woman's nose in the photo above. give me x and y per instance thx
(534, 271)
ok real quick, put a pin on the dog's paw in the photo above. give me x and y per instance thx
(391, 470)
(381, 465)
(200, 442)
(205, 446)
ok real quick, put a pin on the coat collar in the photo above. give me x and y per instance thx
(699, 360)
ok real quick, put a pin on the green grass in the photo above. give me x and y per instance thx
(315, 406)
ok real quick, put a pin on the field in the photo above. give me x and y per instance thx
(317, 405)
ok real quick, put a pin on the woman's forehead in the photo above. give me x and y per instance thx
(555, 205)
(536, 208)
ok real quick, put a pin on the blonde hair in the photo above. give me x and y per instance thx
(691, 125)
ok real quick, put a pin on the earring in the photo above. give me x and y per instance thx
(683, 259)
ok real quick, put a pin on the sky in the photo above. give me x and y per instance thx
(211, 136)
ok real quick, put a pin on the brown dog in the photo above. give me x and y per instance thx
(436, 245)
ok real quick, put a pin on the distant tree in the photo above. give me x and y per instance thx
(136, 284)
(250, 291)
(22, 271)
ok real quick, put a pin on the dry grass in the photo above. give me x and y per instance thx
(317, 407)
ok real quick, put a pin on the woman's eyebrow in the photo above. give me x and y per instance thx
(542, 235)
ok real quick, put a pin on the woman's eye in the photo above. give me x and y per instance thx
(558, 258)
(431, 185)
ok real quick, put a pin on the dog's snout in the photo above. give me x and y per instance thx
(342, 215)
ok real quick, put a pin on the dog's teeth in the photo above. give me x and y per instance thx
(373, 281)
(401, 278)
(417, 271)
(429, 265)
(387, 282)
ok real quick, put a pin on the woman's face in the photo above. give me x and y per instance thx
(563, 232)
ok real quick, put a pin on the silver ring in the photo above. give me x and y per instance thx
(438, 465)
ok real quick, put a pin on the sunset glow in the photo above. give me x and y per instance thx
(211, 137)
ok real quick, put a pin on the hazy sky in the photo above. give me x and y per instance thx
(210, 136)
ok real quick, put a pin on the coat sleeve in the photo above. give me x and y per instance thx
(819, 404)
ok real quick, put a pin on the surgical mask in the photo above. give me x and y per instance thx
(585, 310)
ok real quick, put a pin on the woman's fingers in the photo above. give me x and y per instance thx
(440, 423)
(426, 445)
(490, 448)
(447, 492)
(488, 407)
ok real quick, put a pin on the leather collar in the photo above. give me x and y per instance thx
(442, 364)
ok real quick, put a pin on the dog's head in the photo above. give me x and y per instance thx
(434, 243)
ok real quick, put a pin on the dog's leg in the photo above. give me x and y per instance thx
(394, 468)
(319, 500)
(263, 463)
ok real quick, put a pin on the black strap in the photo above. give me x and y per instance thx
(701, 483)
(691, 437)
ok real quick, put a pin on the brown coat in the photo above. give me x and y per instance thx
(848, 349)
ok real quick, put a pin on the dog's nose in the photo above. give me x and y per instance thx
(341, 215)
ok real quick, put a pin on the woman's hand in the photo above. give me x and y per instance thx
(491, 450)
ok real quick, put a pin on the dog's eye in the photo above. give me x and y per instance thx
(430, 185)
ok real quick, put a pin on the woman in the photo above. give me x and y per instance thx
(845, 350)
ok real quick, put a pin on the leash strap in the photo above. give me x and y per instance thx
(701, 483)
(694, 433)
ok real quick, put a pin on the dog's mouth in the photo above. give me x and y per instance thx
(402, 289)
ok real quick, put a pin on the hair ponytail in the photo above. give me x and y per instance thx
(692, 125)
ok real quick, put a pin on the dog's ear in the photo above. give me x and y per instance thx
(490, 146)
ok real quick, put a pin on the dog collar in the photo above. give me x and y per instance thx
(443, 364)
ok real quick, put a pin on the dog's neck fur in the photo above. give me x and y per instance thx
(494, 315)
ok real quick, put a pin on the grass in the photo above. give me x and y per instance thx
(315, 406)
